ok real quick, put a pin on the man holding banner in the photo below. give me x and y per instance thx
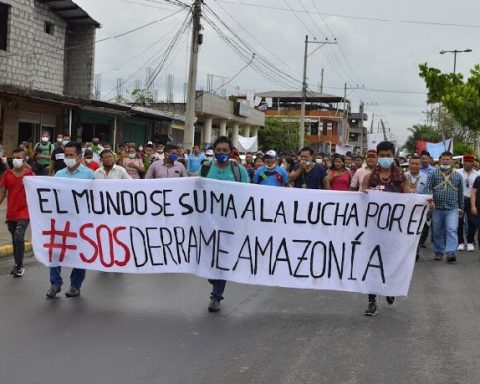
(222, 168)
(74, 170)
(386, 177)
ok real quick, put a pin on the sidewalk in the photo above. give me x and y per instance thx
(6, 248)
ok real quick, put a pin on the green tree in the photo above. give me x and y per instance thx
(142, 97)
(461, 98)
(462, 149)
(421, 132)
(278, 135)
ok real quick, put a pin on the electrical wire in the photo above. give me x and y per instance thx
(97, 41)
(365, 18)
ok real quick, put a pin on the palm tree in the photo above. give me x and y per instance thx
(421, 132)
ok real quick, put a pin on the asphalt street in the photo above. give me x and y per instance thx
(156, 329)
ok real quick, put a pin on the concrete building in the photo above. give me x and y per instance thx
(357, 135)
(326, 123)
(47, 49)
(216, 116)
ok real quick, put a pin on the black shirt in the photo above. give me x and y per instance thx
(57, 157)
(312, 179)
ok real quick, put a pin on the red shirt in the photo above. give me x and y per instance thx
(93, 165)
(17, 208)
(341, 183)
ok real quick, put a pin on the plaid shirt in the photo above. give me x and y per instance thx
(445, 195)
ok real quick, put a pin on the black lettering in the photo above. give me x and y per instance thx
(166, 246)
(166, 204)
(295, 214)
(324, 210)
(250, 207)
(42, 200)
(246, 244)
(57, 203)
(386, 205)
(221, 251)
(282, 248)
(397, 218)
(113, 205)
(151, 246)
(138, 263)
(411, 221)
(141, 199)
(376, 251)
(312, 260)
(302, 258)
(332, 255)
(179, 233)
(231, 207)
(124, 195)
(263, 251)
(280, 213)
(263, 218)
(155, 202)
(79, 195)
(95, 201)
(369, 213)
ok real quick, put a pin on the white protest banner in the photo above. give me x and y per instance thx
(343, 149)
(373, 139)
(247, 144)
(253, 234)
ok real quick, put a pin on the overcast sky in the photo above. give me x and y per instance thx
(379, 55)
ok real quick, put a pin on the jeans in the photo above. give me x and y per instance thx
(76, 277)
(445, 225)
(218, 288)
(471, 224)
(17, 230)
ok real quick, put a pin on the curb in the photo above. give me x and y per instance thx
(7, 250)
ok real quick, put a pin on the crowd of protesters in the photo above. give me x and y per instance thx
(453, 193)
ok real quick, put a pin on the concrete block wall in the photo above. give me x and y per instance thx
(80, 60)
(25, 64)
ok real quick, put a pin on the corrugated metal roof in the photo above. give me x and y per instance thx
(70, 12)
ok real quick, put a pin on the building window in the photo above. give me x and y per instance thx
(4, 8)
(49, 28)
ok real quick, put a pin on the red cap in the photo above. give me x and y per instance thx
(468, 158)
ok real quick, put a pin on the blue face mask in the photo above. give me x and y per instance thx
(385, 162)
(173, 157)
(222, 158)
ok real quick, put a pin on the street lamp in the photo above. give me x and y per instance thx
(455, 51)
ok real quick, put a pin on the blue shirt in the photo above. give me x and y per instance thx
(194, 163)
(277, 177)
(312, 179)
(81, 172)
(428, 170)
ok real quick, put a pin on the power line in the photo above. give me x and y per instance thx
(365, 18)
(97, 41)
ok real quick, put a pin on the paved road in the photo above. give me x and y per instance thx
(156, 329)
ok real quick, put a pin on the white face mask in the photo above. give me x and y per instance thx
(132, 155)
(17, 163)
(70, 163)
(44, 139)
(60, 140)
(87, 161)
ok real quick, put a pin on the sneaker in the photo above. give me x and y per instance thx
(73, 292)
(451, 259)
(461, 247)
(438, 256)
(390, 299)
(470, 247)
(214, 306)
(52, 292)
(18, 271)
(372, 309)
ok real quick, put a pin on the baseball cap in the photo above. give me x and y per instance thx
(271, 153)
(210, 152)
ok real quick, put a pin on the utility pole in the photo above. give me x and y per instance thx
(362, 109)
(197, 39)
(305, 85)
(321, 81)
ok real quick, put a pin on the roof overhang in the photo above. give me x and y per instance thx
(70, 12)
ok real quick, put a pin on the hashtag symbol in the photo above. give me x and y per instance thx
(53, 233)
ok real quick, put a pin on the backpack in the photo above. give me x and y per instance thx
(235, 168)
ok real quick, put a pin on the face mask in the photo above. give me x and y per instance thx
(17, 163)
(60, 140)
(445, 166)
(271, 167)
(65, 142)
(87, 161)
(307, 163)
(44, 139)
(173, 157)
(385, 162)
(132, 155)
(318, 161)
(140, 149)
(222, 158)
(70, 163)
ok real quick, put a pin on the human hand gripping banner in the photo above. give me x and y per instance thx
(252, 234)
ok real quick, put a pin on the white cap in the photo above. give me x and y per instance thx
(210, 152)
(271, 153)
